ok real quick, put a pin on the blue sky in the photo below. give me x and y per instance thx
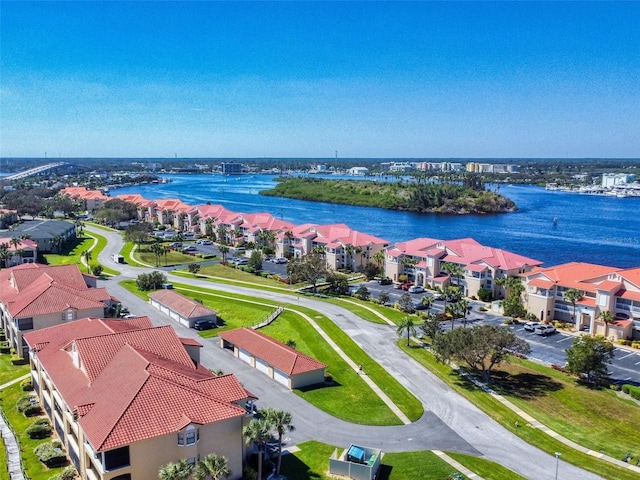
(306, 79)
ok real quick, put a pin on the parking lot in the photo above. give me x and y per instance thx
(549, 349)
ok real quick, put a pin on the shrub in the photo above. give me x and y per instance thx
(41, 428)
(622, 341)
(482, 309)
(68, 473)
(635, 344)
(18, 360)
(51, 454)
(509, 321)
(631, 390)
(614, 386)
(485, 294)
(626, 387)
(27, 385)
(24, 402)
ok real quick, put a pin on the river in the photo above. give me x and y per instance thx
(595, 229)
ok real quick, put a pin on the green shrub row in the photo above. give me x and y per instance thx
(631, 390)
(68, 473)
(28, 405)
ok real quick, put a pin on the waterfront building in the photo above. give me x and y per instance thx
(358, 171)
(231, 168)
(89, 200)
(126, 398)
(423, 262)
(146, 208)
(34, 297)
(616, 179)
(602, 288)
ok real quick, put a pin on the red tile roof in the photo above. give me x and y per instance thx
(132, 384)
(276, 354)
(31, 289)
(185, 306)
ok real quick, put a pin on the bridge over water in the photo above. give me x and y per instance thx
(34, 171)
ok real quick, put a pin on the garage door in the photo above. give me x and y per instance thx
(164, 310)
(262, 366)
(281, 377)
(244, 356)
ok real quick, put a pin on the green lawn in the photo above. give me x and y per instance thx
(508, 419)
(34, 468)
(485, 468)
(362, 309)
(312, 463)
(8, 371)
(172, 257)
(70, 253)
(101, 243)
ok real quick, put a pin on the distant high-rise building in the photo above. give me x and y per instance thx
(230, 168)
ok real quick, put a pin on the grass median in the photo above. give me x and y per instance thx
(509, 420)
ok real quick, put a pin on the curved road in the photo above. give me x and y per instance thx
(450, 422)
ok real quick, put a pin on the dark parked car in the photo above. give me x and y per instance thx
(385, 281)
(204, 325)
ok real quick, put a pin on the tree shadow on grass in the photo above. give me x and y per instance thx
(524, 385)
(384, 473)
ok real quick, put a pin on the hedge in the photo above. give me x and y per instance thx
(631, 390)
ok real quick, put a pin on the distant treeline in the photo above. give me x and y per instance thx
(448, 198)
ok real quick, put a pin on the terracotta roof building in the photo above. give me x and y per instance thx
(180, 308)
(284, 364)
(34, 296)
(603, 288)
(126, 398)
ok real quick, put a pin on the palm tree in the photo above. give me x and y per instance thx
(349, 250)
(407, 325)
(5, 254)
(378, 257)
(427, 301)
(223, 250)
(280, 421)
(15, 241)
(407, 262)
(180, 470)
(221, 234)
(463, 310)
(86, 258)
(208, 227)
(257, 432)
(213, 466)
(572, 296)
(606, 316)
(56, 242)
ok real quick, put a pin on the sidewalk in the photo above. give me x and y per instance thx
(14, 460)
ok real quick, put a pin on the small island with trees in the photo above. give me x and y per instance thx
(469, 197)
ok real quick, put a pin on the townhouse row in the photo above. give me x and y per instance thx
(427, 262)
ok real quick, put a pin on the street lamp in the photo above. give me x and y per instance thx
(557, 460)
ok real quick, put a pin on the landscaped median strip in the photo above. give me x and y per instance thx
(383, 396)
(457, 465)
(378, 314)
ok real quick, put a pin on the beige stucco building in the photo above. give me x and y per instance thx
(126, 398)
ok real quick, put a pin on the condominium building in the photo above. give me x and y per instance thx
(126, 398)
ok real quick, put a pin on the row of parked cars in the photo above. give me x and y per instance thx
(539, 328)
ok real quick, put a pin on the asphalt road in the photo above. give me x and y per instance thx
(450, 422)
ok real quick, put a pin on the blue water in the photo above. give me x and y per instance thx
(596, 229)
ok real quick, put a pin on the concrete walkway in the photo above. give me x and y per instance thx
(14, 460)
(457, 465)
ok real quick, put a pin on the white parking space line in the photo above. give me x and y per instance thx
(637, 363)
(622, 358)
(567, 337)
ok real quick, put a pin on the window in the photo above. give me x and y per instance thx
(116, 458)
(24, 323)
(69, 315)
(191, 436)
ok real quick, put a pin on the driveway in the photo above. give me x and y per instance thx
(450, 422)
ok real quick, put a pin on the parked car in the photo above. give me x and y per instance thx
(167, 286)
(545, 330)
(175, 244)
(204, 241)
(419, 306)
(267, 258)
(531, 326)
(385, 281)
(405, 286)
(438, 296)
(241, 261)
(204, 325)
(397, 286)
(280, 260)
(189, 248)
(415, 289)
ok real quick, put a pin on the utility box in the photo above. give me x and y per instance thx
(118, 258)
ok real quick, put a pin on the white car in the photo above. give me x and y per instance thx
(545, 330)
(280, 260)
(204, 242)
(415, 289)
(531, 326)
